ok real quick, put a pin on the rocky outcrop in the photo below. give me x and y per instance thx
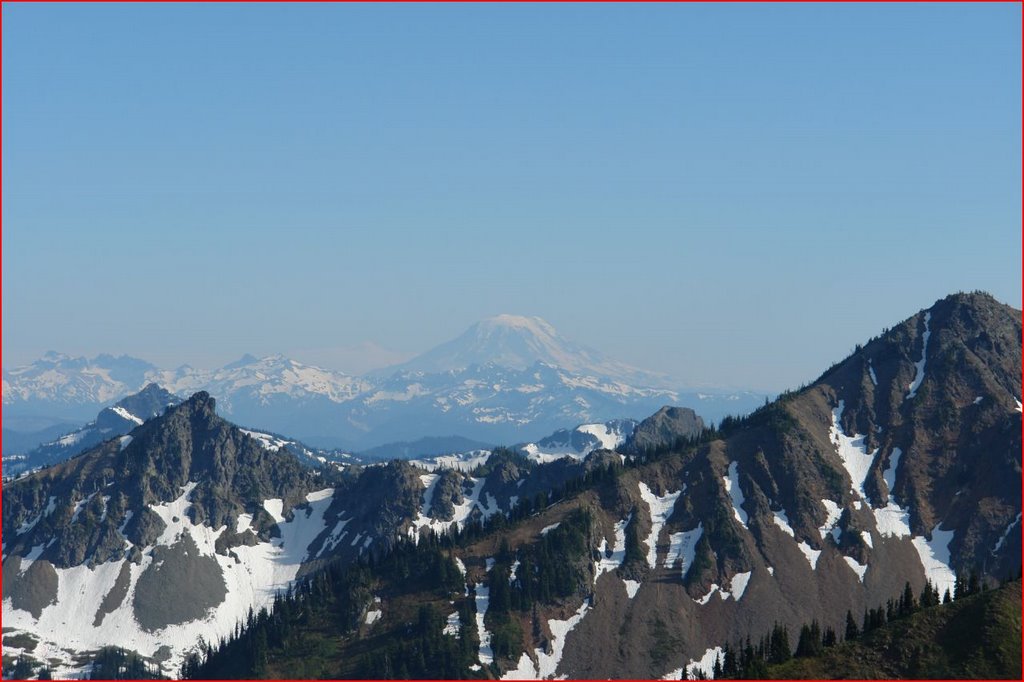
(664, 428)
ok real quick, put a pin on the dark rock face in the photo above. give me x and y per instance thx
(664, 428)
(177, 570)
(115, 597)
(111, 487)
(959, 432)
(447, 494)
(31, 589)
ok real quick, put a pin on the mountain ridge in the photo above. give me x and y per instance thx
(116, 420)
(826, 500)
(506, 379)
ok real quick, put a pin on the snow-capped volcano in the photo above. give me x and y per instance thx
(518, 342)
(507, 379)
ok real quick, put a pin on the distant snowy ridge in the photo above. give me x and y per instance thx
(507, 379)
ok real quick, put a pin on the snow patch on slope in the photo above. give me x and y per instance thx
(705, 664)
(858, 568)
(919, 365)
(607, 437)
(125, 414)
(738, 585)
(934, 555)
(612, 557)
(547, 664)
(1006, 534)
(453, 626)
(482, 599)
(853, 452)
(465, 462)
(782, 521)
(461, 512)
(683, 548)
(732, 486)
(811, 554)
(892, 520)
(834, 512)
(267, 441)
(660, 509)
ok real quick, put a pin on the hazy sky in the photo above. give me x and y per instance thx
(733, 194)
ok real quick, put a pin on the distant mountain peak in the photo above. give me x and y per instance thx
(533, 324)
(246, 359)
(520, 342)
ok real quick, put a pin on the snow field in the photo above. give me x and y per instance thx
(919, 365)
(660, 510)
(732, 486)
(682, 547)
(259, 574)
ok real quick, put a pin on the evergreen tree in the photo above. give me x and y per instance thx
(778, 644)
(907, 603)
(929, 595)
(730, 663)
(829, 637)
(852, 632)
(718, 671)
(973, 582)
(810, 640)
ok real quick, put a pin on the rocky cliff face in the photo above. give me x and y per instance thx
(664, 428)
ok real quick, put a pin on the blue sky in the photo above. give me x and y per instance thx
(733, 194)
